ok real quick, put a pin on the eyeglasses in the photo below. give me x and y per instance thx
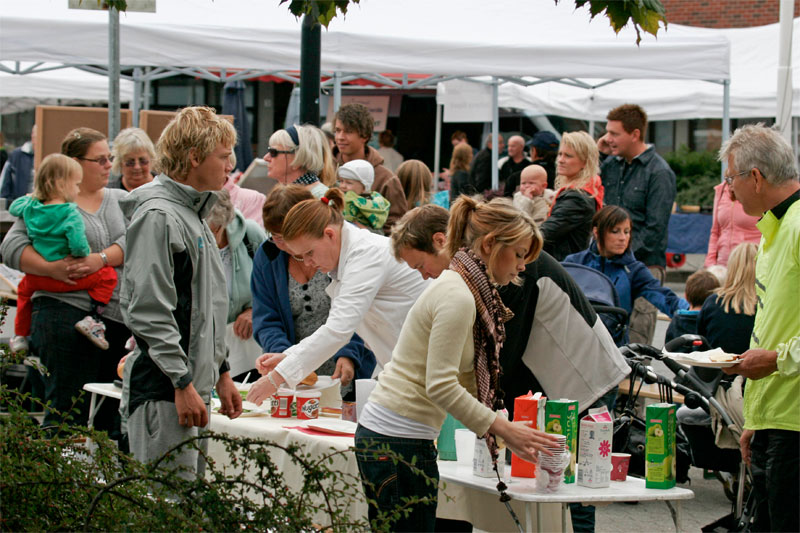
(143, 162)
(100, 160)
(729, 179)
(273, 152)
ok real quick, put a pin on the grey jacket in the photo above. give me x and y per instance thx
(173, 294)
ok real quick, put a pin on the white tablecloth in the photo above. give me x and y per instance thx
(483, 510)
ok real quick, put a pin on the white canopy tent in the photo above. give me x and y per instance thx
(753, 91)
(62, 86)
(240, 39)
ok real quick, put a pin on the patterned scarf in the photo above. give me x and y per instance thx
(306, 179)
(488, 334)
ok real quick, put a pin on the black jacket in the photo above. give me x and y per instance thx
(568, 229)
(480, 173)
(556, 335)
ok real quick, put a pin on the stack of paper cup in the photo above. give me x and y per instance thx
(363, 390)
(550, 469)
(465, 446)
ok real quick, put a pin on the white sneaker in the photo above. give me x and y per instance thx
(18, 344)
(94, 330)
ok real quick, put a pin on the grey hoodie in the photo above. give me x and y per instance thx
(173, 294)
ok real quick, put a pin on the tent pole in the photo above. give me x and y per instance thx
(495, 128)
(437, 149)
(337, 91)
(726, 119)
(591, 128)
(783, 117)
(136, 105)
(113, 73)
(147, 89)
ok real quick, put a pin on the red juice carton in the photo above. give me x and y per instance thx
(561, 418)
(594, 453)
(528, 407)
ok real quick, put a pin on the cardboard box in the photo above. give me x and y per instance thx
(594, 455)
(528, 407)
(659, 465)
(561, 418)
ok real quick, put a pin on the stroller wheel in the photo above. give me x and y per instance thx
(729, 484)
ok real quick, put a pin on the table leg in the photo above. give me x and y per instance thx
(675, 511)
(538, 517)
(564, 507)
(93, 409)
(528, 517)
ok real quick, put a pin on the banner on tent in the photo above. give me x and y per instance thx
(378, 107)
(464, 101)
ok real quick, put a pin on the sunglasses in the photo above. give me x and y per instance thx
(143, 162)
(100, 160)
(273, 152)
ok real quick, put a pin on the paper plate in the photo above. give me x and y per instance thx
(701, 359)
(323, 382)
(334, 427)
(248, 408)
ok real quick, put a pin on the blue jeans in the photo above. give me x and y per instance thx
(387, 483)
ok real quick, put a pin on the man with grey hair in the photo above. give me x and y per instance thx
(762, 175)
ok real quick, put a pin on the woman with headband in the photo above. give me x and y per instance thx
(297, 155)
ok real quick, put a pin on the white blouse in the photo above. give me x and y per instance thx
(371, 294)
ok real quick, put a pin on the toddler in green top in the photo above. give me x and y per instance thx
(56, 230)
(362, 206)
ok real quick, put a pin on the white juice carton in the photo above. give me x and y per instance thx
(482, 465)
(594, 449)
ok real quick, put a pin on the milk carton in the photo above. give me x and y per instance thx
(594, 452)
(482, 465)
(528, 407)
(561, 418)
(659, 465)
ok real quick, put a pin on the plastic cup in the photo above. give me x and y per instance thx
(308, 404)
(465, 446)
(363, 389)
(282, 404)
(349, 411)
(619, 466)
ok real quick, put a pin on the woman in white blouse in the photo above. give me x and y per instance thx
(371, 292)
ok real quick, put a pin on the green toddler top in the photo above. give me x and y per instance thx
(370, 210)
(55, 230)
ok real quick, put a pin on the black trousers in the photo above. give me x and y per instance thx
(776, 479)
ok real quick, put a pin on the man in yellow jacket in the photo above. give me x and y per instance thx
(762, 174)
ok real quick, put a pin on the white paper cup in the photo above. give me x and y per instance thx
(363, 390)
(465, 446)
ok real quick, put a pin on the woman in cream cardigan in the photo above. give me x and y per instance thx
(447, 360)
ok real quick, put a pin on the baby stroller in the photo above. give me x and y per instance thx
(708, 393)
(601, 293)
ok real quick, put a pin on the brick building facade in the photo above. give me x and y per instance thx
(724, 13)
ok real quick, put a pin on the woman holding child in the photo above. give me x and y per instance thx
(70, 357)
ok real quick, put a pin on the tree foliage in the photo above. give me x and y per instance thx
(644, 15)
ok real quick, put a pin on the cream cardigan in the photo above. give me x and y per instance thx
(432, 368)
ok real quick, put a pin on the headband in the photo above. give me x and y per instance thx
(292, 131)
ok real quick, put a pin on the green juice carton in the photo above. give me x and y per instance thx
(660, 446)
(561, 418)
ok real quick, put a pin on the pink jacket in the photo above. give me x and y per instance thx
(731, 226)
(248, 201)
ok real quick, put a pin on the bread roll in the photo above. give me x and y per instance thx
(310, 379)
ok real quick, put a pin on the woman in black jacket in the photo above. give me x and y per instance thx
(568, 228)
